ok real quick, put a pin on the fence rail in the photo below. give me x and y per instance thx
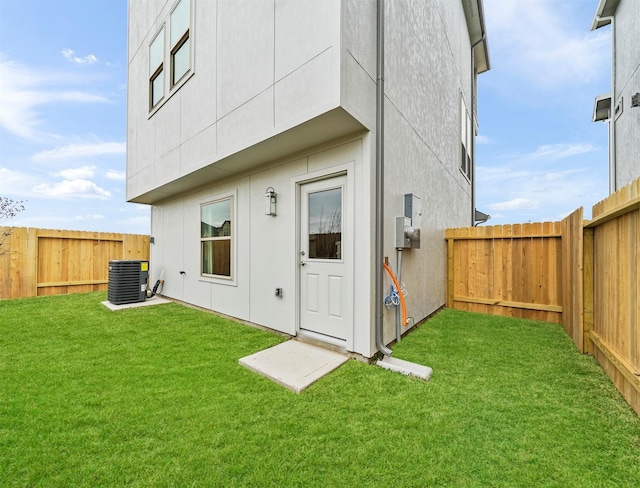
(510, 270)
(584, 275)
(612, 318)
(36, 262)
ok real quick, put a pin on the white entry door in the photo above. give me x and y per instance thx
(326, 296)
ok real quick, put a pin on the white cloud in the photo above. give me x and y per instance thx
(80, 151)
(140, 221)
(515, 204)
(543, 45)
(24, 90)
(84, 172)
(69, 55)
(90, 217)
(78, 188)
(112, 174)
(14, 182)
(553, 152)
(483, 140)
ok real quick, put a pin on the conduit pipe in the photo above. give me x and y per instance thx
(613, 184)
(396, 283)
(473, 128)
(404, 310)
(379, 190)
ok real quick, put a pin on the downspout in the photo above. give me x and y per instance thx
(379, 191)
(613, 184)
(473, 128)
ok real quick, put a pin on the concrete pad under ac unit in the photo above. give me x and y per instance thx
(147, 303)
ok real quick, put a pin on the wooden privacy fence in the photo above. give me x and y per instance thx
(584, 275)
(506, 270)
(39, 262)
(612, 286)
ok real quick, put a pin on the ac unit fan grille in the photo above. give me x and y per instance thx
(127, 281)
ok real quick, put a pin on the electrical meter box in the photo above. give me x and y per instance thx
(413, 210)
(412, 222)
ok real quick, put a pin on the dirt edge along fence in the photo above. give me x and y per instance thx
(39, 262)
(582, 274)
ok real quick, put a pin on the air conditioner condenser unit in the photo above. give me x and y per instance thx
(128, 281)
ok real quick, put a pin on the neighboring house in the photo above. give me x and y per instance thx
(252, 133)
(624, 127)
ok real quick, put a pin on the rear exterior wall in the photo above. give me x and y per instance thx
(627, 31)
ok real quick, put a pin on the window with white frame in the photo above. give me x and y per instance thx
(170, 53)
(180, 22)
(466, 134)
(156, 69)
(216, 238)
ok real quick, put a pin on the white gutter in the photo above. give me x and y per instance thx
(379, 193)
(473, 127)
(613, 185)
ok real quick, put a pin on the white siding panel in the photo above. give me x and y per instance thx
(247, 125)
(303, 29)
(273, 258)
(306, 92)
(244, 50)
(167, 130)
(199, 151)
(168, 233)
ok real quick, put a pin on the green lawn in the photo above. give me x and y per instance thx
(155, 397)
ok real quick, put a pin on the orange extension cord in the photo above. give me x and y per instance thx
(397, 285)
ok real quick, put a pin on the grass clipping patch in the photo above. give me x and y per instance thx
(155, 397)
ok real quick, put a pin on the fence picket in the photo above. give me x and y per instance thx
(53, 262)
(585, 275)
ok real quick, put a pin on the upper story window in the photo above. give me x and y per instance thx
(156, 69)
(180, 46)
(466, 134)
(170, 52)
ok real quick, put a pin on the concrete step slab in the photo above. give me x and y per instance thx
(293, 364)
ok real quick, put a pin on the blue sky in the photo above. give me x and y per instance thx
(63, 112)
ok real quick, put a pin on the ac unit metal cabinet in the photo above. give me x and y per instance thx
(127, 281)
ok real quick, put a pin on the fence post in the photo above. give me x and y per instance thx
(587, 289)
(450, 272)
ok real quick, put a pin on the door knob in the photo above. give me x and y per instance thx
(303, 263)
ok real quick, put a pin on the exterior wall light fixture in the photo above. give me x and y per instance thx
(270, 199)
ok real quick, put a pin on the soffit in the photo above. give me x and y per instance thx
(474, 15)
(606, 8)
(326, 127)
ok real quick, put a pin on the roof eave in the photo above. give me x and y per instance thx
(474, 15)
(606, 8)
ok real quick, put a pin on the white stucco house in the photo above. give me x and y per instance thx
(623, 17)
(276, 142)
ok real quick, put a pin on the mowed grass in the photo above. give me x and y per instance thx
(155, 397)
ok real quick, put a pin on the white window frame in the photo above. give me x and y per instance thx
(466, 139)
(233, 238)
(171, 85)
(183, 37)
(156, 70)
